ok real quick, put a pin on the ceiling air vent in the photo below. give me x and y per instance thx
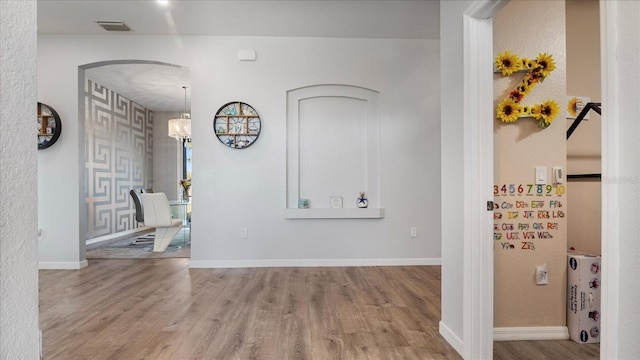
(113, 25)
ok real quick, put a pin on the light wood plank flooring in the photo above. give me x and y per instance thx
(161, 309)
(545, 350)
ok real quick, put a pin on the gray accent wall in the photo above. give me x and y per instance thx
(118, 158)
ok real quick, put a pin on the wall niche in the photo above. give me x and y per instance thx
(332, 151)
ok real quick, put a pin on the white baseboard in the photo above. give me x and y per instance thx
(311, 263)
(530, 333)
(451, 338)
(116, 235)
(62, 265)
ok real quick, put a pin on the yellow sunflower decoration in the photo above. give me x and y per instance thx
(548, 111)
(536, 111)
(572, 106)
(528, 63)
(508, 63)
(524, 87)
(545, 63)
(508, 111)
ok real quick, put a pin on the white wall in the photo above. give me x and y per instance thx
(621, 179)
(452, 170)
(60, 190)
(246, 188)
(18, 224)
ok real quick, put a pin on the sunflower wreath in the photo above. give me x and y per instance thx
(510, 108)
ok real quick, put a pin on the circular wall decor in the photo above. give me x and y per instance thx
(49, 126)
(237, 125)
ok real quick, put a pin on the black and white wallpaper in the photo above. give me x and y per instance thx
(118, 158)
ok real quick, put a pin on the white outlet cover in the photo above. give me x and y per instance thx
(542, 275)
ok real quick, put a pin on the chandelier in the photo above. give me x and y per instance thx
(180, 128)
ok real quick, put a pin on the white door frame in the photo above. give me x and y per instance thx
(478, 180)
(610, 164)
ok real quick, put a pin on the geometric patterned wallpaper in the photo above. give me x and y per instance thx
(118, 158)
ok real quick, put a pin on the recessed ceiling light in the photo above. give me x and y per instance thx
(163, 2)
(113, 25)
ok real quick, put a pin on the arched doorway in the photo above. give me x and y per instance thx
(123, 110)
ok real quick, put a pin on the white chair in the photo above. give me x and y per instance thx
(158, 214)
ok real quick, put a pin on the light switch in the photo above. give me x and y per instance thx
(541, 175)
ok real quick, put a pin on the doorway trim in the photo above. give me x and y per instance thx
(478, 175)
(478, 179)
(83, 217)
(610, 167)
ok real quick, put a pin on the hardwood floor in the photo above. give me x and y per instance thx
(161, 309)
(541, 350)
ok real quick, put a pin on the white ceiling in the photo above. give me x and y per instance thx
(154, 86)
(159, 88)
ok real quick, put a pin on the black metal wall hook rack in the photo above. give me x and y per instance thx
(590, 106)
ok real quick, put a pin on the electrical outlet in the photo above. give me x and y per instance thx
(413, 232)
(244, 233)
(542, 275)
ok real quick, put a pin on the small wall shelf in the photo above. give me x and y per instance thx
(342, 213)
(49, 126)
(237, 125)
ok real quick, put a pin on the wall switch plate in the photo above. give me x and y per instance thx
(244, 233)
(541, 175)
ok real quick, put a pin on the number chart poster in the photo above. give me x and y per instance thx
(525, 215)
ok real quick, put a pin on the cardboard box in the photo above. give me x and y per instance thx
(583, 298)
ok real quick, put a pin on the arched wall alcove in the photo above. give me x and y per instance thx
(333, 151)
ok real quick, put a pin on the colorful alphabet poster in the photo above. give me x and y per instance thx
(526, 214)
